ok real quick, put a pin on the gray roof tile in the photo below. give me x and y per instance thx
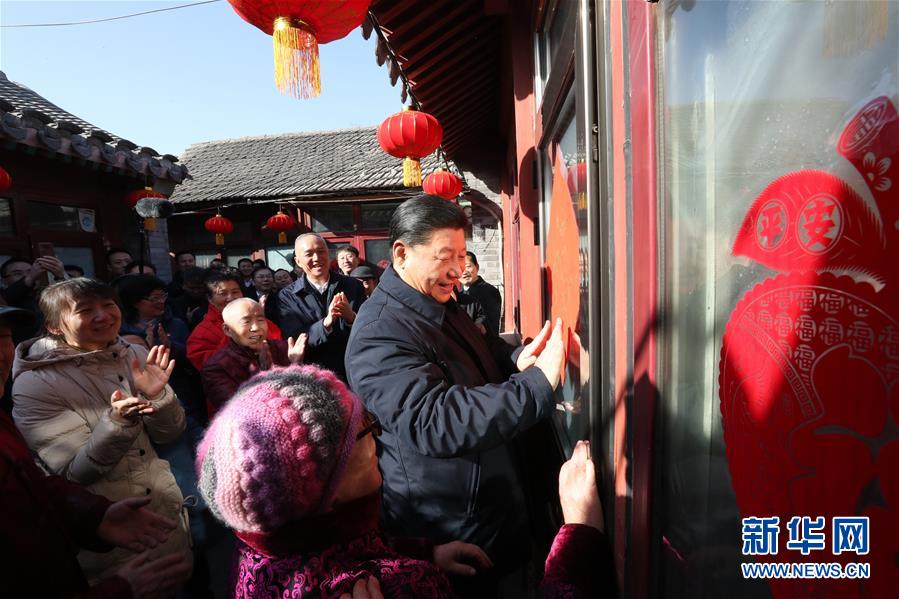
(290, 165)
(30, 119)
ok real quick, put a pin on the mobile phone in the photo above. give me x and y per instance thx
(45, 248)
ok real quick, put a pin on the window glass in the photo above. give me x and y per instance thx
(376, 216)
(377, 250)
(55, 217)
(7, 227)
(203, 260)
(779, 131)
(566, 275)
(331, 218)
(279, 257)
(79, 256)
(564, 10)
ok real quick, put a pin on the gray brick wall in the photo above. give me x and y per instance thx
(486, 231)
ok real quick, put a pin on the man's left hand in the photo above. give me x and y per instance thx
(528, 355)
(129, 524)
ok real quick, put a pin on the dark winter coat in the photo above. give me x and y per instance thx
(47, 519)
(232, 366)
(450, 402)
(488, 296)
(303, 310)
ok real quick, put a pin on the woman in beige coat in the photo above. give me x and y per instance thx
(89, 404)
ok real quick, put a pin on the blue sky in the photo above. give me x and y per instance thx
(171, 79)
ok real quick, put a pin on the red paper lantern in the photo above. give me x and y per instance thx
(137, 195)
(5, 180)
(444, 184)
(410, 134)
(297, 28)
(219, 225)
(282, 223)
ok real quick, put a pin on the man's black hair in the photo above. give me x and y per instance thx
(116, 251)
(416, 219)
(6, 264)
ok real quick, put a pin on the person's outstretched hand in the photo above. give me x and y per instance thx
(365, 589)
(529, 354)
(457, 558)
(154, 376)
(129, 524)
(577, 489)
(552, 359)
(296, 350)
(157, 578)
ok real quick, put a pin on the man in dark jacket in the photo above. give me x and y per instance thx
(450, 400)
(481, 291)
(49, 518)
(322, 304)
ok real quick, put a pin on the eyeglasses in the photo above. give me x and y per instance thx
(157, 298)
(370, 424)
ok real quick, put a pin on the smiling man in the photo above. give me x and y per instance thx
(451, 401)
(321, 303)
(247, 352)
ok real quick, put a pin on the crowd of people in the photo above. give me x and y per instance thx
(358, 427)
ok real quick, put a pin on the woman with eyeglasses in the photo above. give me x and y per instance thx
(92, 406)
(289, 464)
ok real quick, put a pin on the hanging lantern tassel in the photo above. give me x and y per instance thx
(411, 172)
(282, 237)
(296, 59)
(219, 239)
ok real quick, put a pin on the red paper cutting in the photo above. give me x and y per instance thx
(809, 372)
(562, 255)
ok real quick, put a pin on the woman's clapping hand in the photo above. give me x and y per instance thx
(153, 377)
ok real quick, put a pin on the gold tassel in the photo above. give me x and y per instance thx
(219, 239)
(149, 224)
(282, 237)
(296, 59)
(411, 172)
(851, 26)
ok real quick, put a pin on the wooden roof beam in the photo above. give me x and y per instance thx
(416, 69)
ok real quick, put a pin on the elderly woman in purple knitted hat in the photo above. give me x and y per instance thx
(289, 464)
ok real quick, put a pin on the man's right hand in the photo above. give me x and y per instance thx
(552, 359)
(158, 578)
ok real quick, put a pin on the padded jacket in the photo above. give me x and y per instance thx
(451, 404)
(61, 405)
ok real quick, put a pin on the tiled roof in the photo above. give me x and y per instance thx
(28, 118)
(291, 165)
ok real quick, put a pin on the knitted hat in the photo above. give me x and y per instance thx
(276, 451)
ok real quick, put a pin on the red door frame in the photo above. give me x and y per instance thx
(631, 45)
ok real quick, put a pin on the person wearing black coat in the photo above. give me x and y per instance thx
(481, 291)
(450, 400)
(322, 304)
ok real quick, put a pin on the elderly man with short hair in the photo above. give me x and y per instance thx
(321, 303)
(247, 352)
